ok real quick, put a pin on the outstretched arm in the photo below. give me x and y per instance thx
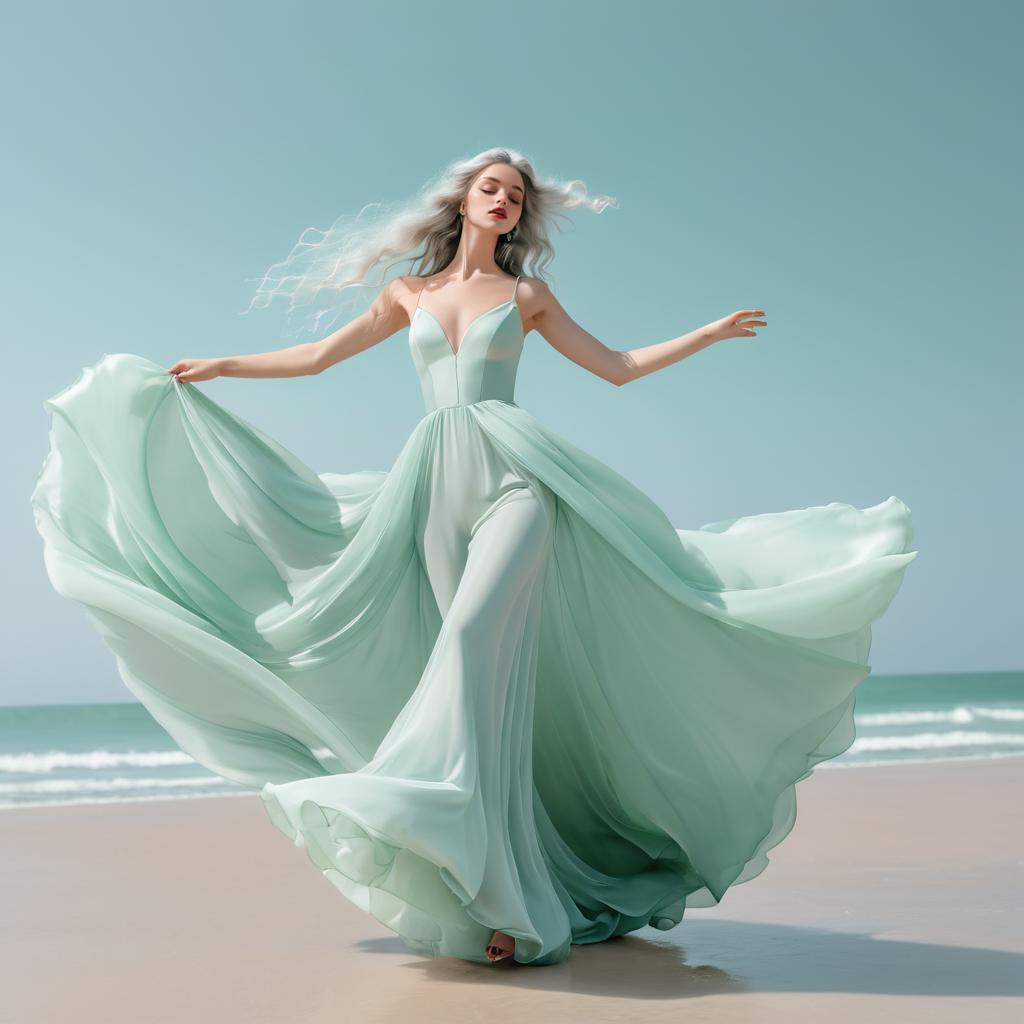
(384, 317)
(620, 367)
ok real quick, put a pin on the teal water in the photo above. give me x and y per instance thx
(97, 753)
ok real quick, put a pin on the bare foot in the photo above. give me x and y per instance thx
(500, 947)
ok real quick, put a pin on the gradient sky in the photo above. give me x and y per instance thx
(848, 167)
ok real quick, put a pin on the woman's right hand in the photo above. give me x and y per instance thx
(192, 370)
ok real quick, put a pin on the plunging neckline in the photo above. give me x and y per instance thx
(465, 334)
(455, 351)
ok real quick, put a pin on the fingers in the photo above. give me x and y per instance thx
(181, 370)
(740, 319)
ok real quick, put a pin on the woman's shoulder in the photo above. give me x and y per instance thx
(404, 290)
(535, 284)
(533, 293)
(407, 283)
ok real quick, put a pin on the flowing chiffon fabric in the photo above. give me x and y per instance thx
(490, 688)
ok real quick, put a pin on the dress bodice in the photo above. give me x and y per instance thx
(483, 365)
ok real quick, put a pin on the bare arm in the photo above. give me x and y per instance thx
(620, 367)
(384, 317)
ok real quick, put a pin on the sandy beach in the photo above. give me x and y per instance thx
(899, 892)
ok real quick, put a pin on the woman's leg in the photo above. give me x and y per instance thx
(486, 652)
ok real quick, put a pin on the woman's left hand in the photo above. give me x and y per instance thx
(735, 325)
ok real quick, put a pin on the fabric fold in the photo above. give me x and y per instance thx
(668, 687)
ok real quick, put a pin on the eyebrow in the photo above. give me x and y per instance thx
(498, 180)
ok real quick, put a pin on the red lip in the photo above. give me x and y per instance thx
(500, 213)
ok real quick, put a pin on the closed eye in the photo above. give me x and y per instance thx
(490, 192)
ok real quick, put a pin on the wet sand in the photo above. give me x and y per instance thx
(898, 896)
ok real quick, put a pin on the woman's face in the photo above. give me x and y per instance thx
(495, 199)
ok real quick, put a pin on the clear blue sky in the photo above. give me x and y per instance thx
(852, 168)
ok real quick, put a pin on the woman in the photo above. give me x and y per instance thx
(501, 701)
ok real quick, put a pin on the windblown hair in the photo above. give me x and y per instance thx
(357, 252)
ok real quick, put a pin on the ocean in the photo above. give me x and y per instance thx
(98, 753)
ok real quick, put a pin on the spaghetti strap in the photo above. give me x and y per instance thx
(514, 287)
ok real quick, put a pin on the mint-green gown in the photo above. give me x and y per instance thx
(490, 688)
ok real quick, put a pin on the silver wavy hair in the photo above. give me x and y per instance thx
(357, 252)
